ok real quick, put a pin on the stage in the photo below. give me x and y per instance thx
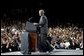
(54, 52)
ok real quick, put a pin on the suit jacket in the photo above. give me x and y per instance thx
(44, 25)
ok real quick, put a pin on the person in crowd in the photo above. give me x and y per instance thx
(5, 43)
(62, 45)
(66, 44)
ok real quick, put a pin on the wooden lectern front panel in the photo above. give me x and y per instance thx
(33, 41)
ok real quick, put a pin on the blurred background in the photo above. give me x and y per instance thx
(65, 22)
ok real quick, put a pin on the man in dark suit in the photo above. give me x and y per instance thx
(43, 23)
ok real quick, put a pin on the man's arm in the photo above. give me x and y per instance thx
(42, 22)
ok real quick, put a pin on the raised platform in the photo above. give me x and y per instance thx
(55, 52)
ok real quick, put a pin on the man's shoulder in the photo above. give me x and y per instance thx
(44, 17)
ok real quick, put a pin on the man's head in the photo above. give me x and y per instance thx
(41, 12)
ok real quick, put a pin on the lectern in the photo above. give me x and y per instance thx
(32, 36)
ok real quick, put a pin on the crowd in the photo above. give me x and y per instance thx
(60, 37)
(10, 38)
(70, 37)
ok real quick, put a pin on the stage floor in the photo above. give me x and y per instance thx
(55, 52)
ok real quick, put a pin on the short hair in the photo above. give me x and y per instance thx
(42, 11)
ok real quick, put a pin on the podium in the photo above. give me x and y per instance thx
(32, 36)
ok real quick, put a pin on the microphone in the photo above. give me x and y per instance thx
(30, 18)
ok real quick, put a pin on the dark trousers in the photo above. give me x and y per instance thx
(44, 44)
